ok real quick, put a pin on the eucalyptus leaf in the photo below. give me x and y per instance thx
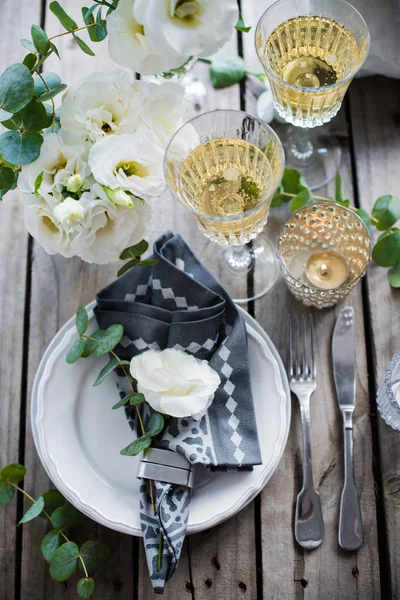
(53, 499)
(302, 199)
(101, 27)
(226, 69)
(147, 263)
(7, 180)
(34, 511)
(16, 88)
(90, 345)
(95, 554)
(50, 543)
(52, 81)
(136, 398)
(135, 251)
(7, 492)
(76, 350)
(386, 211)
(127, 266)
(85, 587)
(394, 276)
(64, 562)
(66, 516)
(277, 198)
(54, 49)
(13, 472)
(20, 148)
(137, 446)
(113, 336)
(33, 117)
(386, 251)
(40, 39)
(82, 45)
(82, 319)
(28, 44)
(62, 16)
(121, 402)
(154, 424)
(364, 216)
(38, 182)
(240, 25)
(29, 61)
(293, 181)
(51, 93)
(109, 368)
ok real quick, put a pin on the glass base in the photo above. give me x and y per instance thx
(318, 157)
(248, 272)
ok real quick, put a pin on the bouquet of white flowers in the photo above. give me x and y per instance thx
(92, 186)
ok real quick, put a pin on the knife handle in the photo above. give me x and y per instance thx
(351, 535)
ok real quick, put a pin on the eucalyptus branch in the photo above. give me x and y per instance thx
(72, 31)
(51, 100)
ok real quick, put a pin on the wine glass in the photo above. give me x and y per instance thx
(225, 166)
(310, 51)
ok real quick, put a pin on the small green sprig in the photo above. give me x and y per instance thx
(63, 555)
(134, 253)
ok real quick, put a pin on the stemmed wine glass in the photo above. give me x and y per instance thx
(310, 51)
(225, 166)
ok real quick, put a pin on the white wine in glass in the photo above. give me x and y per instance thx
(225, 166)
(311, 50)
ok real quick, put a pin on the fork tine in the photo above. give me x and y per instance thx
(313, 363)
(297, 368)
(304, 348)
(289, 347)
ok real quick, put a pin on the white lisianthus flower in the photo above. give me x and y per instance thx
(188, 27)
(60, 165)
(175, 383)
(130, 47)
(133, 163)
(69, 212)
(163, 108)
(103, 103)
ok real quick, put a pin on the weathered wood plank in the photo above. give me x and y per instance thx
(375, 116)
(328, 572)
(13, 249)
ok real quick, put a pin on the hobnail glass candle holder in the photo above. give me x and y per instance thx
(388, 396)
(323, 227)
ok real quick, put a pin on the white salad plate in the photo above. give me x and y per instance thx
(79, 438)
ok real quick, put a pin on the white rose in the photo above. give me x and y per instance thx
(175, 383)
(58, 162)
(190, 28)
(133, 163)
(129, 47)
(103, 103)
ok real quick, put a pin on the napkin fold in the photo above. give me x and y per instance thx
(178, 304)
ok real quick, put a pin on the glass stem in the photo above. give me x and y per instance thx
(239, 257)
(300, 144)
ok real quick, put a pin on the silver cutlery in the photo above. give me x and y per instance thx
(302, 371)
(351, 534)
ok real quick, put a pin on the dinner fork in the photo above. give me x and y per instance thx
(302, 371)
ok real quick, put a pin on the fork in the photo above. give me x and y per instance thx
(302, 371)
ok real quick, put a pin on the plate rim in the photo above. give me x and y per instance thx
(246, 497)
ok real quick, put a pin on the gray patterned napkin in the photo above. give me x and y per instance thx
(179, 304)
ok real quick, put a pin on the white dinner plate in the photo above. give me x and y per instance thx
(78, 436)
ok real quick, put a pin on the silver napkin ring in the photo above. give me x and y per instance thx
(167, 466)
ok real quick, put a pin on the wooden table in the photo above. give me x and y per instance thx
(253, 555)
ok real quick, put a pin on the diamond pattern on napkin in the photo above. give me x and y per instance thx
(141, 290)
(139, 343)
(194, 347)
(168, 294)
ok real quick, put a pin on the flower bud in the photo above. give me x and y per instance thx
(69, 212)
(119, 197)
(73, 183)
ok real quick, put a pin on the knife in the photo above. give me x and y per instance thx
(351, 534)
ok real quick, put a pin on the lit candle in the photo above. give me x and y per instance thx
(327, 270)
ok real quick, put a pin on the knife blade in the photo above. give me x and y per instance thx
(351, 534)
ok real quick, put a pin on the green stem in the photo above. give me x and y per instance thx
(72, 31)
(41, 61)
(52, 101)
(205, 60)
(316, 197)
(103, 3)
(15, 124)
(160, 552)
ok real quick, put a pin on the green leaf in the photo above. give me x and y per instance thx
(155, 424)
(98, 33)
(386, 211)
(40, 39)
(38, 182)
(7, 180)
(85, 587)
(55, 49)
(82, 45)
(66, 516)
(31, 118)
(113, 336)
(16, 88)
(90, 345)
(19, 148)
(82, 319)
(7, 493)
(27, 44)
(147, 263)
(394, 276)
(4, 115)
(364, 216)
(135, 251)
(293, 182)
(137, 446)
(87, 13)
(226, 69)
(13, 472)
(95, 554)
(65, 561)
(50, 543)
(34, 511)
(51, 93)
(121, 402)
(52, 81)
(75, 351)
(101, 27)
(62, 16)
(240, 25)
(136, 398)
(109, 368)
(127, 266)
(302, 199)
(277, 198)
(53, 499)
(386, 251)
(339, 196)
(29, 61)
